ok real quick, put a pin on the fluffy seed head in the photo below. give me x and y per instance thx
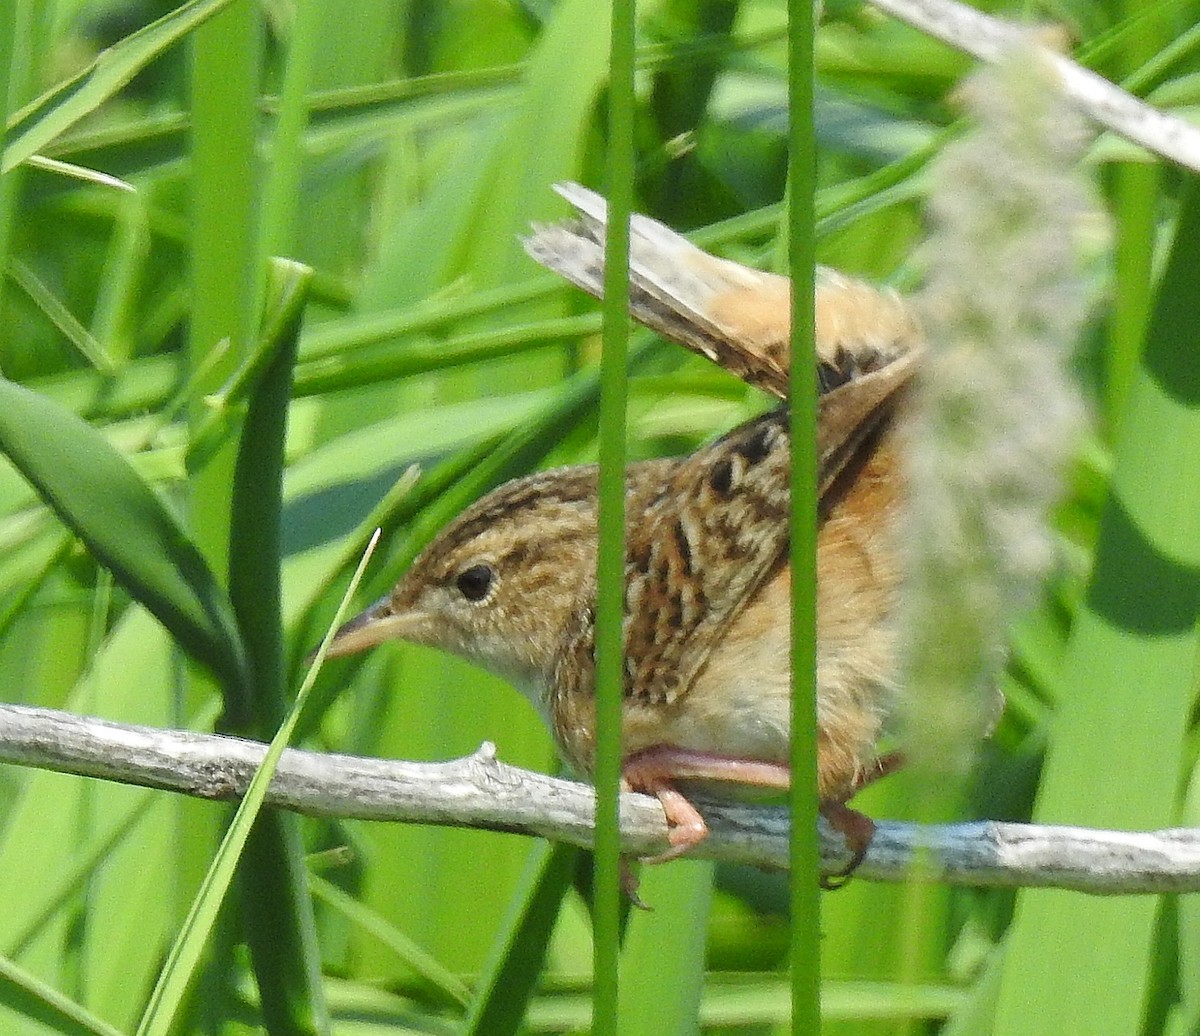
(997, 415)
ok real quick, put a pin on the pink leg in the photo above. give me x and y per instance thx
(857, 828)
(654, 771)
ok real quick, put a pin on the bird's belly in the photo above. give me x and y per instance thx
(740, 703)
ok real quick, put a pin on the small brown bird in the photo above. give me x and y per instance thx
(511, 584)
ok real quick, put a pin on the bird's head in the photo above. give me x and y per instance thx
(499, 585)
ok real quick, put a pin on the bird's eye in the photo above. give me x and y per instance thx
(475, 583)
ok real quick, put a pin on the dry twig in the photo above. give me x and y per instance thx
(988, 39)
(482, 792)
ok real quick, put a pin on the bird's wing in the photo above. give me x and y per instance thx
(717, 525)
(735, 316)
(718, 529)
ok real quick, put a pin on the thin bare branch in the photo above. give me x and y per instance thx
(987, 38)
(482, 792)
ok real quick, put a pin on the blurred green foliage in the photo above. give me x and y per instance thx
(399, 151)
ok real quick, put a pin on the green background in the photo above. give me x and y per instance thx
(399, 151)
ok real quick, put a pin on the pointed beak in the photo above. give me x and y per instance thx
(373, 626)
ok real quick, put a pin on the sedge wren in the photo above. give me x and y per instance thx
(511, 584)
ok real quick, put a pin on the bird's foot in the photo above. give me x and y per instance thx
(857, 828)
(654, 771)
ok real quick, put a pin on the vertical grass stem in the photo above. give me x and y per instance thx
(610, 681)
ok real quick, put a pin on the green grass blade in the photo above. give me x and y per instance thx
(184, 959)
(8, 30)
(403, 358)
(13, 18)
(225, 280)
(61, 317)
(1136, 228)
(95, 491)
(39, 122)
(663, 960)
(610, 595)
(805, 901)
(451, 988)
(516, 962)
(1129, 687)
(27, 995)
(255, 549)
(276, 906)
(281, 196)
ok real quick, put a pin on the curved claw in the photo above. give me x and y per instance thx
(655, 770)
(857, 828)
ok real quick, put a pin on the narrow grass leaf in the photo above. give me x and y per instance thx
(276, 904)
(80, 173)
(288, 291)
(281, 195)
(184, 959)
(801, 256)
(11, 18)
(27, 995)
(39, 122)
(452, 990)
(1118, 739)
(454, 304)
(516, 962)
(744, 1003)
(662, 971)
(97, 493)
(610, 575)
(339, 123)
(402, 359)
(54, 310)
